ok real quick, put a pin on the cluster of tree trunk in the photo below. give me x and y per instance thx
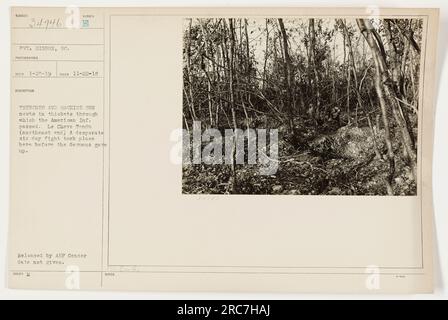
(317, 73)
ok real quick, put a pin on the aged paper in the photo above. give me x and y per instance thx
(101, 200)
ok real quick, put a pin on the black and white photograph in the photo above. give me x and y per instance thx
(224, 151)
(301, 106)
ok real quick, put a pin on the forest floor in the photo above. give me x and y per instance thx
(338, 162)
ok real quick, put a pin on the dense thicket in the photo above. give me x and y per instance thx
(343, 93)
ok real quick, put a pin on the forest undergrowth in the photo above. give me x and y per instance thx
(342, 93)
(339, 161)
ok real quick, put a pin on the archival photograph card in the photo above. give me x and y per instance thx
(222, 149)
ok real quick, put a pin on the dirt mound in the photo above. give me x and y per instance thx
(348, 143)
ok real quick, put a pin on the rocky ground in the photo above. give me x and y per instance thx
(339, 163)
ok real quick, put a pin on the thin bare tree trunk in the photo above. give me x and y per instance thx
(205, 68)
(266, 56)
(232, 182)
(190, 77)
(390, 93)
(312, 32)
(382, 100)
(349, 76)
(358, 94)
(288, 78)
